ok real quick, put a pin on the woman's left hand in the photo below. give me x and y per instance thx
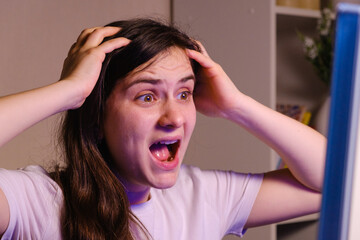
(215, 94)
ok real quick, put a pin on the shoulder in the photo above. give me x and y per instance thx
(29, 171)
(218, 178)
(29, 178)
(32, 182)
(35, 202)
(216, 185)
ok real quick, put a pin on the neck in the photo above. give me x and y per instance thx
(136, 193)
(137, 197)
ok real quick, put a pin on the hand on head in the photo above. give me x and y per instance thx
(84, 61)
(215, 93)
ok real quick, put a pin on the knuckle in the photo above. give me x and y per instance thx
(93, 52)
(85, 31)
(218, 67)
(96, 31)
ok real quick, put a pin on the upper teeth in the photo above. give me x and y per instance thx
(168, 142)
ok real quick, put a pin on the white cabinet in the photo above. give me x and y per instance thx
(256, 43)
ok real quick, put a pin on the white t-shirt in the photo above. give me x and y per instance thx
(201, 205)
(35, 202)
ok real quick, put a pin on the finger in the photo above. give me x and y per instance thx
(81, 39)
(113, 44)
(98, 35)
(202, 48)
(85, 33)
(72, 48)
(204, 60)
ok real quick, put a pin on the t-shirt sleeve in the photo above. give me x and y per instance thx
(232, 195)
(33, 199)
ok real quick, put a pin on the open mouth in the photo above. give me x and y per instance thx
(165, 150)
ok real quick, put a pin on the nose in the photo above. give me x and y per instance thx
(172, 116)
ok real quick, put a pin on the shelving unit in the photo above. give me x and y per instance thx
(294, 78)
(307, 218)
(297, 12)
(256, 43)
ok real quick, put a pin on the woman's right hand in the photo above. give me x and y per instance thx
(80, 72)
(84, 61)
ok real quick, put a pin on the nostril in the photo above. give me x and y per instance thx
(171, 120)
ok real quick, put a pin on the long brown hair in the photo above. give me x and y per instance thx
(95, 203)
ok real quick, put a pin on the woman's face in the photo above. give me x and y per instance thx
(149, 118)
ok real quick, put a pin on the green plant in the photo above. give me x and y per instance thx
(319, 50)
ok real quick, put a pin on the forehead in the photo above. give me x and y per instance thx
(173, 59)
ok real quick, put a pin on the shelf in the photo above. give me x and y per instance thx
(311, 217)
(297, 12)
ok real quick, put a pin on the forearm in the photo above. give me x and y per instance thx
(22, 110)
(80, 73)
(302, 148)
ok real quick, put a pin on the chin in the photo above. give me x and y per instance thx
(167, 181)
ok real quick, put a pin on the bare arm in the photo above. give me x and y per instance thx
(5, 213)
(22, 110)
(301, 147)
(80, 73)
(81, 70)
(283, 194)
(294, 191)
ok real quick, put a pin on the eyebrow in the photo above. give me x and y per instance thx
(158, 81)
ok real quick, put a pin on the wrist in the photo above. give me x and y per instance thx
(237, 109)
(72, 96)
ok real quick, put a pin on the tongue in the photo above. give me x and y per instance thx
(160, 152)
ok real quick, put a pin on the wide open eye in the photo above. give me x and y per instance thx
(184, 95)
(147, 98)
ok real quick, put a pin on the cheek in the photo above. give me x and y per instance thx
(123, 134)
(191, 119)
(130, 125)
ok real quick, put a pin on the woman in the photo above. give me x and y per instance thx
(132, 97)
